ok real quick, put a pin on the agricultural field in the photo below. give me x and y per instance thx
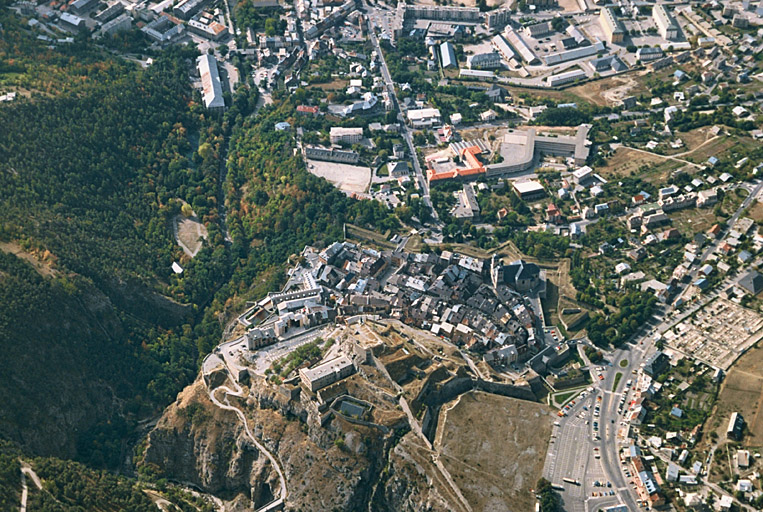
(694, 220)
(742, 392)
(627, 161)
(721, 147)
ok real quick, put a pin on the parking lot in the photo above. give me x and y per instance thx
(347, 178)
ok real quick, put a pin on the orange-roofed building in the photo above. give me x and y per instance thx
(554, 214)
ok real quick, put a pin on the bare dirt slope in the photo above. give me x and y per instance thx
(494, 447)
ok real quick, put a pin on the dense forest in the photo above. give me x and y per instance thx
(91, 177)
(94, 166)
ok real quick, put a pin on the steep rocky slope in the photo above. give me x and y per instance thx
(338, 466)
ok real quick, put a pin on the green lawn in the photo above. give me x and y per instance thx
(563, 397)
(624, 363)
(617, 380)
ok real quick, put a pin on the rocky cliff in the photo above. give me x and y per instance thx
(337, 466)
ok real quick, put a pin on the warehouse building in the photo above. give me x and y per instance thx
(72, 22)
(565, 78)
(529, 190)
(211, 86)
(448, 55)
(503, 48)
(520, 46)
(424, 117)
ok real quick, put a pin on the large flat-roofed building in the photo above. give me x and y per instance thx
(520, 150)
(332, 154)
(529, 190)
(211, 86)
(438, 13)
(611, 25)
(342, 135)
(424, 117)
(487, 60)
(326, 373)
(665, 22)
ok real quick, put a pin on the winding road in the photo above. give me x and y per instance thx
(282, 493)
(27, 471)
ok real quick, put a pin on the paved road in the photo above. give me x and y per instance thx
(405, 132)
(714, 245)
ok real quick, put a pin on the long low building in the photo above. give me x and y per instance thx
(331, 154)
(574, 53)
(488, 60)
(503, 48)
(520, 46)
(327, 373)
(565, 78)
(186, 9)
(211, 86)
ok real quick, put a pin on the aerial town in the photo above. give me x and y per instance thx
(579, 189)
